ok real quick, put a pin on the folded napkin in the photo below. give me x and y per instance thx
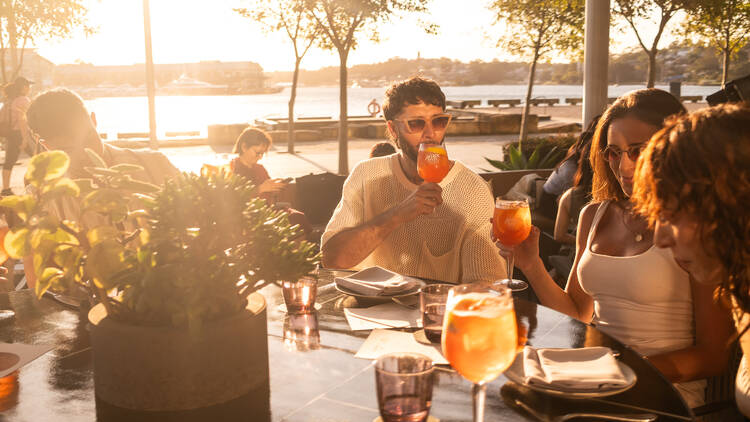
(589, 368)
(387, 315)
(376, 281)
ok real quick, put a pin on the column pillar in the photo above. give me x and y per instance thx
(595, 59)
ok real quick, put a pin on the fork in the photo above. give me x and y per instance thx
(643, 417)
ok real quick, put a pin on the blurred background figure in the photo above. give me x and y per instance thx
(563, 177)
(250, 147)
(15, 103)
(381, 149)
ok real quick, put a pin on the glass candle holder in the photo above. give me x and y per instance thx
(299, 296)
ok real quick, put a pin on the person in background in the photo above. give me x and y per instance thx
(250, 147)
(693, 184)
(574, 199)
(563, 176)
(17, 100)
(61, 122)
(381, 149)
(620, 282)
(389, 217)
(568, 211)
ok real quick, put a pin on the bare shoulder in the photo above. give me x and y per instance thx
(587, 216)
(565, 198)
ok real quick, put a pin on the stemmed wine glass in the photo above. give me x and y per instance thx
(479, 335)
(432, 162)
(511, 225)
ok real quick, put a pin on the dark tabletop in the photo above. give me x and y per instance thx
(313, 373)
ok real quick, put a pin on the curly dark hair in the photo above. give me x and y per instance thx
(650, 106)
(414, 90)
(699, 164)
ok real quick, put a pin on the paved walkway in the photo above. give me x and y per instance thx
(312, 157)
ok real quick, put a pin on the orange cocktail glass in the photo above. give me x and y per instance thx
(511, 221)
(432, 162)
(479, 335)
(511, 225)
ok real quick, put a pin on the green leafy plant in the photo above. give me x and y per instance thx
(517, 161)
(536, 153)
(182, 255)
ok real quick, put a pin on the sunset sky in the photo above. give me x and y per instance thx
(195, 30)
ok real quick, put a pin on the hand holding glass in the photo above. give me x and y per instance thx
(511, 225)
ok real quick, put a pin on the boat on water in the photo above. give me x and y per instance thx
(185, 85)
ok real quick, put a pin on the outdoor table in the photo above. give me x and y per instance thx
(313, 372)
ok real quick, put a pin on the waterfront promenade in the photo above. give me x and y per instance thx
(322, 156)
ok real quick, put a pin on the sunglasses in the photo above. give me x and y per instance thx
(418, 124)
(614, 154)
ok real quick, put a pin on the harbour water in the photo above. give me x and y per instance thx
(195, 113)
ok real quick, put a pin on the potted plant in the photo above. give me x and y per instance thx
(535, 153)
(174, 272)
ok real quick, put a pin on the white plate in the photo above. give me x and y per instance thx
(414, 290)
(516, 374)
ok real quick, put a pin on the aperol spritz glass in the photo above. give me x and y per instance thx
(432, 162)
(511, 225)
(479, 335)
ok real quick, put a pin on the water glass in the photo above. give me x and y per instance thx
(299, 296)
(432, 300)
(404, 385)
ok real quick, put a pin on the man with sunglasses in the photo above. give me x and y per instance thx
(388, 216)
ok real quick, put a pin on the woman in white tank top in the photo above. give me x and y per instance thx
(620, 282)
(693, 183)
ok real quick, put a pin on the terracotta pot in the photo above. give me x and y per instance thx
(171, 369)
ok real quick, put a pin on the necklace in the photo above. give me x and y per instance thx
(638, 233)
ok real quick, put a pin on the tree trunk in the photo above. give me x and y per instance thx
(13, 44)
(527, 105)
(343, 114)
(292, 98)
(651, 69)
(725, 67)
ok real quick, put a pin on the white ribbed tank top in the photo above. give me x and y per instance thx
(644, 301)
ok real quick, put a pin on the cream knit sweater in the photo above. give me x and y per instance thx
(453, 244)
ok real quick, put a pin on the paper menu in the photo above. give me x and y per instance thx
(387, 315)
(15, 355)
(381, 342)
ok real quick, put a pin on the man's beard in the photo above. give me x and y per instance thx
(409, 151)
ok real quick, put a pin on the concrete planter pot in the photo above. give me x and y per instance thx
(171, 369)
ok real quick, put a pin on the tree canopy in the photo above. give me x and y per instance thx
(723, 24)
(22, 22)
(635, 12)
(537, 27)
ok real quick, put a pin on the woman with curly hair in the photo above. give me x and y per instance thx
(693, 184)
(620, 282)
